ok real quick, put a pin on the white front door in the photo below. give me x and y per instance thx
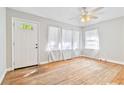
(25, 41)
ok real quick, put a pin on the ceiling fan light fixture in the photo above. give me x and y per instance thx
(85, 18)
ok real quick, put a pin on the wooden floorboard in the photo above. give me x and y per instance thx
(77, 71)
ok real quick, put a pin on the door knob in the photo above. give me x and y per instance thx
(36, 46)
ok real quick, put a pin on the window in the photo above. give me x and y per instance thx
(66, 39)
(53, 38)
(76, 40)
(62, 39)
(91, 39)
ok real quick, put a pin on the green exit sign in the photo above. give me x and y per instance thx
(26, 27)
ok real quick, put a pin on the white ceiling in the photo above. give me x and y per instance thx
(70, 14)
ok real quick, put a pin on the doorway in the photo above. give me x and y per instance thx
(24, 43)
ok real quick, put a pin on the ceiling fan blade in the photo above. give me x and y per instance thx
(80, 9)
(97, 9)
(84, 10)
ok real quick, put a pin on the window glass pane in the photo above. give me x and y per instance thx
(53, 38)
(91, 39)
(66, 39)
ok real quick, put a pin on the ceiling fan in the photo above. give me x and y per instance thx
(88, 14)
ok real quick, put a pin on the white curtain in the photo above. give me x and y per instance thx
(63, 44)
(54, 44)
(66, 43)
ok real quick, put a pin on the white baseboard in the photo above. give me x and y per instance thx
(90, 57)
(2, 77)
(107, 60)
(4, 73)
(9, 69)
(116, 62)
(44, 62)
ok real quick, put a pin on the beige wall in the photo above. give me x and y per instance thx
(44, 23)
(111, 35)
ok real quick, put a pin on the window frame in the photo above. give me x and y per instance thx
(73, 40)
(97, 44)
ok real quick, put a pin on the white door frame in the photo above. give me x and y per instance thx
(13, 39)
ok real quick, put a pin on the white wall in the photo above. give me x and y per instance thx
(2, 43)
(43, 34)
(111, 35)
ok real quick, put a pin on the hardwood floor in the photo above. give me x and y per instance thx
(76, 71)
